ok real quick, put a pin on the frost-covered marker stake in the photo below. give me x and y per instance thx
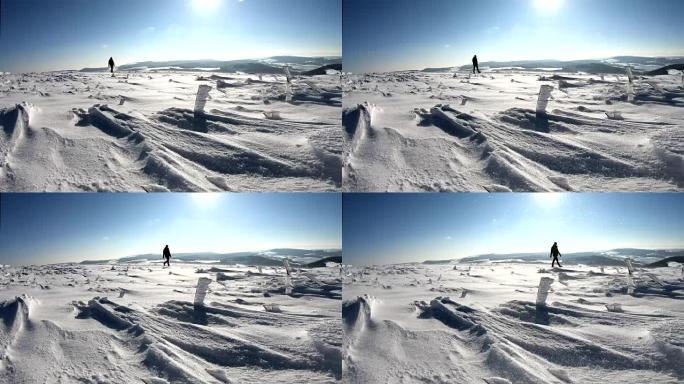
(630, 280)
(288, 80)
(201, 291)
(543, 291)
(630, 267)
(543, 99)
(288, 281)
(201, 99)
(630, 85)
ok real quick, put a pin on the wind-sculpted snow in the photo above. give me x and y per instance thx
(444, 132)
(68, 131)
(138, 323)
(425, 329)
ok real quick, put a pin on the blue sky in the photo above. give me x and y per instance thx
(38, 35)
(396, 228)
(41, 228)
(383, 35)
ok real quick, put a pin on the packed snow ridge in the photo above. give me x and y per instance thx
(139, 131)
(428, 131)
(497, 323)
(130, 323)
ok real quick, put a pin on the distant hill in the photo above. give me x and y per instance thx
(272, 257)
(613, 65)
(663, 70)
(663, 262)
(435, 262)
(594, 68)
(252, 68)
(438, 70)
(323, 70)
(303, 60)
(321, 263)
(270, 65)
(613, 257)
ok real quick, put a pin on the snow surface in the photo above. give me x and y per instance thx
(118, 323)
(81, 131)
(419, 131)
(463, 323)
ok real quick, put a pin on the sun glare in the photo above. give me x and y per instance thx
(547, 199)
(205, 6)
(205, 199)
(548, 7)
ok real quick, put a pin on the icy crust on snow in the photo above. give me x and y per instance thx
(460, 323)
(72, 131)
(125, 324)
(413, 131)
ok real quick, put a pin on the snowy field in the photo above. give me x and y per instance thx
(419, 131)
(81, 131)
(136, 323)
(461, 323)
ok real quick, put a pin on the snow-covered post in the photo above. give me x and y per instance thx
(630, 85)
(630, 285)
(201, 291)
(288, 285)
(201, 99)
(630, 267)
(288, 281)
(543, 291)
(543, 99)
(630, 280)
(288, 80)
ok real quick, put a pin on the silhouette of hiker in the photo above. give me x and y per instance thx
(555, 254)
(476, 67)
(111, 65)
(167, 255)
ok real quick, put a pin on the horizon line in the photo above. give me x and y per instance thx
(676, 249)
(180, 253)
(336, 55)
(677, 56)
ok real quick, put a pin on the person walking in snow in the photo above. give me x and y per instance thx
(111, 65)
(555, 254)
(476, 67)
(166, 255)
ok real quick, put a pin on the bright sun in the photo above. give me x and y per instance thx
(546, 199)
(205, 199)
(205, 6)
(548, 6)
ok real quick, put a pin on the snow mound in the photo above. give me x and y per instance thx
(496, 141)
